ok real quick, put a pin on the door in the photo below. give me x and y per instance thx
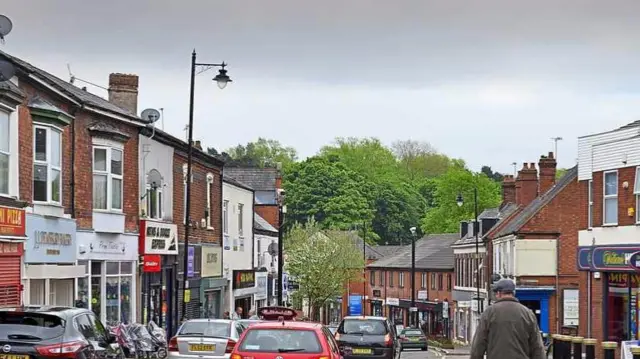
(534, 306)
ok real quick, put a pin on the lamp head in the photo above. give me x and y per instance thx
(222, 79)
(459, 200)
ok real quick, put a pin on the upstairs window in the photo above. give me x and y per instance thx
(382, 275)
(47, 158)
(225, 217)
(390, 279)
(636, 191)
(610, 215)
(4, 153)
(401, 279)
(154, 202)
(440, 282)
(107, 178)
(372, 278)
(209, 193)
(423, 280)
(433, 281)
(590, 195)
(449, 284)
(240, 222)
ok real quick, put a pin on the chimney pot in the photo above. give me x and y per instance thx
(527, 184)
(547, 172)
(123, 91)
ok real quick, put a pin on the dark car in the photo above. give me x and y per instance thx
(367, 337)
(413, 338)
(40, 332)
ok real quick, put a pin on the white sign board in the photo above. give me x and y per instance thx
(625, 353)
(423, 295)
(571, 307)
(393, 301)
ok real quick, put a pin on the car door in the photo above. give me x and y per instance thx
(333, 345)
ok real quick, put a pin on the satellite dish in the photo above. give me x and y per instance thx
(151, 115)
(273, 249)
(5, 26)
(7, 71)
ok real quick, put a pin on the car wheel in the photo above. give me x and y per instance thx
(162, 353)
(424, 348)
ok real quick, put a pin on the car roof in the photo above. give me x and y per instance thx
(362, 317)
(286, 325)
(205, 320)
(59, 311)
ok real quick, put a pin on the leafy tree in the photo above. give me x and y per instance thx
(496, 176)
(321, 261)
(419, 159)
(366, 156)
(398, 207)
(262, 153)
(327, 191)
(560, 172)
(228, 161)
(446, 215)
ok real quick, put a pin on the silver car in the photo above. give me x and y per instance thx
(205, 338)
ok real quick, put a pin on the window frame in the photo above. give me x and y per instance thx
(110, 177)
(383, 275)
(605, 197)
(391, 278)
(209, 201)
(7, 152)
(225, 217)
(372, 277)
(423, 280)
(433, 281)
(240, 220)
(159, 198)
(449, 281)
(47, 163)
(440, 281)
(636, 192)
(590, 204)
(401, 280)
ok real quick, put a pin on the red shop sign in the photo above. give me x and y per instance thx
(12, 222)
(152, 263)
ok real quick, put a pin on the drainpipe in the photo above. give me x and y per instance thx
(589, 299)
(557, 285)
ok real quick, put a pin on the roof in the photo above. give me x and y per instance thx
(499, 213)
(180, 145)
(433, 251)
(287, 324)
(75, 93)
(370, 252)
(234, 182)
(519, 220)
(262, 224)
(386, 250)
(260, 179)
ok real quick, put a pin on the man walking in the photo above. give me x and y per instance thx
(507, 329)
(237, 315)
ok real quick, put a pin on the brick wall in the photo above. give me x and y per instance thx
(269, 212)
(626, 197)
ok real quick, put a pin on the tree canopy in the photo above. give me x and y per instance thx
(261, 153)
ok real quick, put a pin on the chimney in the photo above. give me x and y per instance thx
(508, 189)
(547, 165)
(527, 184)
(197, 145)
(123, 91)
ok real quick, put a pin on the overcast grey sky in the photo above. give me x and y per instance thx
(488, 81)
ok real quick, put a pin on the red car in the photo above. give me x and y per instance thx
(285, 338)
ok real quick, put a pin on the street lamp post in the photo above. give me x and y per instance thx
(413, 310)
(476, 227)
(222, 79)
(282, 209)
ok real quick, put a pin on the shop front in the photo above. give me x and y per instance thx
(243, 290)
(262, 294)
(108, 286)
(158, 249)
(212, 285)
(50, 255)
(396, 313)
(462, 319)
(12, 237)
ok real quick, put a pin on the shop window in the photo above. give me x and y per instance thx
(36, 292)
(107, 178)
(209, 193)
(47, 157)
(225, 217)
(401, 279)
(610, 204)
(590, 215)
(4, 152)
(621, 294)
(118, 292)
(433, 281)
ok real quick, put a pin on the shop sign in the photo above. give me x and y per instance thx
(621, 280)
(445, 309)
(244, 279)
(423, 295)
(158, 238)
(112, 246)
(608, 258)
(261, 285)
(12, 222)
(152, 263)
(191, 258)
(584, 258)
(634, 261)
(211, 261)
(355, 305)
(10, 249)
(50, 240)
(393, 301)
(571, 306)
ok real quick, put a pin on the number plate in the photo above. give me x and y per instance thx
(13, 356)
(361, 351)
(415, 339)
(199, 348)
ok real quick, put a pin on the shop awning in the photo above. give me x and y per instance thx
(13, 239)
(422, 305)
(49, 271)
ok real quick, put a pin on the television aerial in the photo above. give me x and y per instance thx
(5, 27)
(73, 79)
(7, 71)
(150, 115)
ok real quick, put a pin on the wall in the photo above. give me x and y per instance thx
(242, 258)
(535, 257)
(269, 213)
(261, 256)
(155, 157)
(586, 148)
(14, 149)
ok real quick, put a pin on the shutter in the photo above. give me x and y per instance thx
(10, 281)
(193, 307)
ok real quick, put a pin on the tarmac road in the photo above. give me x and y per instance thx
(431, 354)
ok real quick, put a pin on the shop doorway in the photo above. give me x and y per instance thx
(212, 304)
(534, 306)
(245, 304)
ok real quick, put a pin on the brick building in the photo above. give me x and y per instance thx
(536, 245)
(389, 284)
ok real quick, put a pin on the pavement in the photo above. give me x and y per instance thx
(435, 353)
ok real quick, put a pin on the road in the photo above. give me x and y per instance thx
(418, 354)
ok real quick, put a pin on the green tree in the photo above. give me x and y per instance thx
(262, 153)
(560, 172)
(496, 176)
(419, 159)
(445, 216)
(321, 261)
(366, 156)
(398, 206)
(327, 191)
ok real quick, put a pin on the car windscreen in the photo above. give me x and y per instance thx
(363, 327)
(206, 329)
(30, 326)
(412, 332)
(280, 341)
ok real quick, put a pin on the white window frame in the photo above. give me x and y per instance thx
(225, 217)
(241, 220)
(110, 177)
(8, 151)
(401, 279)
(47, 163)
(209, 193)
(611, 196)
(636, 192)
(423, 280)
(590, 205)
(159, 199)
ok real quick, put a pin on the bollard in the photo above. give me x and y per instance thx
(609, 350)
(590, 348)
(555, 344)
(566, 347)
(577, 347)
(636, 352)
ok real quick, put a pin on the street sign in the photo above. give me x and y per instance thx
(413, 309)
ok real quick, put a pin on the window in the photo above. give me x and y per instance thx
(636, 191)
(390, 279)
(610, 215)
(107, 178)
(274, 340)
(440, 281)
(620, 289)
(47, 156)
(401, 280)
(225, 217)
(423, 280)
(382, 275)
(590, 217)
(372, 278)
(433, 281)
(449, 284)
(209, 192)
(4, 153)
(154, 202)
(240, 224)
(184, 201)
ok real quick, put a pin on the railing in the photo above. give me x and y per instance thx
(572, 347)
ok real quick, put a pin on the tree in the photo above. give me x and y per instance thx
(262, 153)
(228, 161)
(321, 261)
(366, 156)
(420, 159)
(327, 191)
(496, 176)
(398, 207)
(560, 173)
(445, 216)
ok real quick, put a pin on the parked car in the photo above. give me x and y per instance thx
(40, 332)
(246, 323)
(413, 338)
(333, 328)
(205, 339)
(367, 337)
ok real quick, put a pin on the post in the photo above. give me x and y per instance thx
(590, 348)
(412, 315)
(555, 346)
(636, 352)
(476, 228)
(577, 347)
(187, 209)
(609, 350)
(364, 268)
(280, 256)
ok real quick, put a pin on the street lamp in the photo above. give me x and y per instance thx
(222, 79)
(413, 309)
(460, 202)
(282, 209)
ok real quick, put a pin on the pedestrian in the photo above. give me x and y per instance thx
(252, 315)
(226, 315)
(507, 329)
(237, 315)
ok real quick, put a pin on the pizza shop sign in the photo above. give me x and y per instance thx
(158, 238)
(244, 279)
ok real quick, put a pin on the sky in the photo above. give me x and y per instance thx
(489, 81)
